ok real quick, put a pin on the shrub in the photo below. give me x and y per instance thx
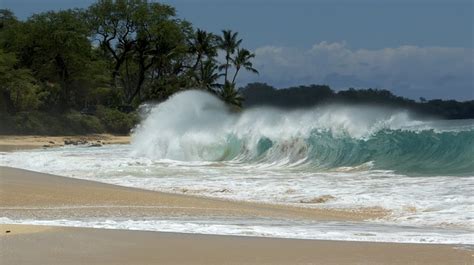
(70, 123)
(116, 121)
(80, 124)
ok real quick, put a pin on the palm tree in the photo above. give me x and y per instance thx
(229, 43)
(203, 44)
(230, 95)
(208, 76)
(242, 60)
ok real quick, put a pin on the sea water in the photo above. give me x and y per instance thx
(420, 170)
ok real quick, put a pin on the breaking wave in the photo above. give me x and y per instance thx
(196, 126)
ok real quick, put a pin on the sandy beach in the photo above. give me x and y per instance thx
(19, 142)
(27, 194)
(60, 245)
(236, 132)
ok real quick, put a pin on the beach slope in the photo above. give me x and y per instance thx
(31, 195)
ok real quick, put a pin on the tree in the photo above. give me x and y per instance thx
(208, 75)
(141, 39)
(8, 29)
(18, 88)
(242, 59)
(230, 95)
(203, 45)
(229, 43)
(55, 46)
(7, 18)
(112, 25)
(160, 51)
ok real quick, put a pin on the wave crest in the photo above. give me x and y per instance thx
(195, 125)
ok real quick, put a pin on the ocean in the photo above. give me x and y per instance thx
(420, 170)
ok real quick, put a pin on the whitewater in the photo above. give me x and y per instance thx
(421, 170)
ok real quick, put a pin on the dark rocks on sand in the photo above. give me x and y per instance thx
(320, 199)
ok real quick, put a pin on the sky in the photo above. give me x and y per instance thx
(415, 48)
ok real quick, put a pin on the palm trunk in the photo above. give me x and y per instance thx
(227, 57)
(235, 75)
(198, 59)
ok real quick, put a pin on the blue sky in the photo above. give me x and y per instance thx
(414, 48)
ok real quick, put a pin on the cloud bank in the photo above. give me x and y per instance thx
(411, 71)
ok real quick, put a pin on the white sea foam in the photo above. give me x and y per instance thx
(194, 125)
(273, 228)
(192, 144)
(442, 201)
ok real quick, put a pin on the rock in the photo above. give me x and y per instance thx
(320, 199)
(46, 145)
(51, 142)
(81, 142)
(8, 231)
(95, 145)
(223, 190)
(75, 142)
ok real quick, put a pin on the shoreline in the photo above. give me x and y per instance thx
(40, 193)
(26, 194)
(68, 245)
(10, 143)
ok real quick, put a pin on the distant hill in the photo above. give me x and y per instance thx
(261, 94)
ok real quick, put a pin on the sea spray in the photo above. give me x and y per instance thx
(196, 126)
(420, 171)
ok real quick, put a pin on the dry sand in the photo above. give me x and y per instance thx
(15, 142)
(26, 194)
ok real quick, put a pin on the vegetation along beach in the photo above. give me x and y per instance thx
(137, 132)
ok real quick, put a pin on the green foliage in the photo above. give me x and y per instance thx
(18, 88)
(243, 60)
(258, 94)
(116, 121)
(56, 48)
(228, 42)
(230, 95)
(207, 76)
(70, 123)
(144, 41)
(114, 54)
(43, 123)
(80, 123)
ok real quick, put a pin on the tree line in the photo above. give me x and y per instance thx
(86, 70)
(261, 94)
(115, 53)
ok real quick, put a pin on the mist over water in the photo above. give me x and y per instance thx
(196, 126)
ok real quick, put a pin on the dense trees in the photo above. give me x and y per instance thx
(260, 94)
(104, 61)
(18, 87)
(114, 53)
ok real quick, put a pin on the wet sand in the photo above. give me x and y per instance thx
(31, 195)
(63, 245)
(28, 194)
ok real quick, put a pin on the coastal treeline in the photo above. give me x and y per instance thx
(81, 71)
(261, 94)
(87, 70)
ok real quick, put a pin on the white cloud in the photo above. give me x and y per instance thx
(411, 71)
